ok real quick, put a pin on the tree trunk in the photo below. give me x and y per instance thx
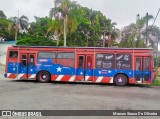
(57, 43)
(65, 31)
(109, 40)
(16, 34)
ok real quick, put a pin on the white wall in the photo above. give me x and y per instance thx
(3, 50)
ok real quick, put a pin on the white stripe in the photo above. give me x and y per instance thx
(32, 76)
(59, 77)
(111, 81)
(86, 78)
(72, 79)
(140, 81)
(19, 76)
(99, 79)
(8, 74)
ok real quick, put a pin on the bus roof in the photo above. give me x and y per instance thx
(107, 48)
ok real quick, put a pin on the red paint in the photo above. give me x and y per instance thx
(89, 62)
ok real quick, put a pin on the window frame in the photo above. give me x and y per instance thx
(12, 54)
(46, 57)
(66, 53)
(104, 59)
(130, 62)
(146, 63)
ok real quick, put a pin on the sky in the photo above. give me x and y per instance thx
(123, 12)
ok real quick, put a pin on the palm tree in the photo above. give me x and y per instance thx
(62, 10)
(56, 27)
(141, 26)
(18, 24)
(154, 36)
(112, 33)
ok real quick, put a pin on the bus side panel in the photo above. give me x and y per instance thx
(62, 73)
(107, 76)
(12, 67)
(12, 70)
(103, 76)
(59, 71)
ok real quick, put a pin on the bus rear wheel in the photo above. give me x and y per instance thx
(43, 77)
(120, 80)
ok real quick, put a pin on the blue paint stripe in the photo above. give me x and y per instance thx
(58, 69)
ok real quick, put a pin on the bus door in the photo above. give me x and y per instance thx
(147, 70)
(142, 73)
(27, 66)
(85, 68)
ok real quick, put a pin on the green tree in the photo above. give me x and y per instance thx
(2, 15)
(62, 10)
(83, 36)
(40, 26)
(4, 23)
(35, 41)
(91, 26)
(115, 34)
(154, 36)
(18, 24)
(129, 42)
(139, 28)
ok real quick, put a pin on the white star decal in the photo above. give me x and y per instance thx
(99, 72)
(14, 69)
(81, 73)
(31, 70)
(130, 72)
(59, 69)
(109, 71)
(120, 80)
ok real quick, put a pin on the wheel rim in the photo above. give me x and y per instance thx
(43, 77)
(120, 80)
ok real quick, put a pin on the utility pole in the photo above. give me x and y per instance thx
(156, 40)
(157, 53)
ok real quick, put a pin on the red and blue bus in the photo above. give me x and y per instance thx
(120, 66)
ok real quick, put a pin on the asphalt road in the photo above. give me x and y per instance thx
(31, 95)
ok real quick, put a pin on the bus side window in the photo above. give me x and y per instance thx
(13, 54)
(31, 60)
(81, 62)
(138, 64)
(146, 64)
(24, 60)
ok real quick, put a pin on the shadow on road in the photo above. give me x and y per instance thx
(31, 81)
(83, 83)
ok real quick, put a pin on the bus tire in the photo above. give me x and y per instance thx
(43, 77)
(120, 80)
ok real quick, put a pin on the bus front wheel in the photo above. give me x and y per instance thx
(43, 77)
(120, 80)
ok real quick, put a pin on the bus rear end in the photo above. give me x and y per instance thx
(20, 63)
(11, 63)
